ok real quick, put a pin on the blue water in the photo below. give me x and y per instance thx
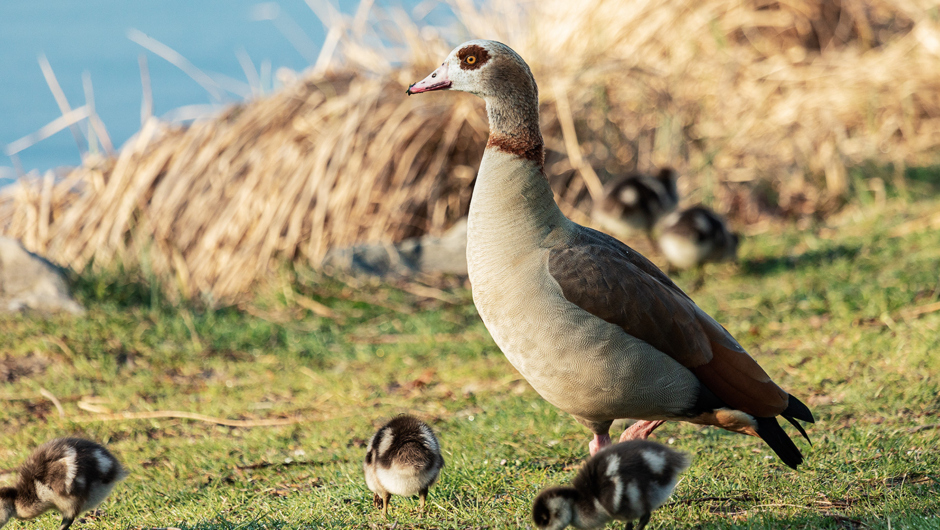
(91, 36)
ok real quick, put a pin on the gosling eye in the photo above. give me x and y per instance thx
(471, 59)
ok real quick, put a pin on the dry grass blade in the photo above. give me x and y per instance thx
(160, 414)
(55, 401)
(426, 291)
(146, 103)
(94, 121)
(914, 312)
(316, 307)
(68, 119)
(174, 57)
(59, 96)
(572, 148)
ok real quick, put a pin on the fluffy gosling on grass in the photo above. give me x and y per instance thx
(69, 475)
(623, 482)
(403, 458)
(636, 203)
(696, 236)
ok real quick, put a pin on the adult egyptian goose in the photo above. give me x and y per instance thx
(593, 326)
(636, 202)
(403, 458)
(695, 236)
(70, 475)
(622, 482)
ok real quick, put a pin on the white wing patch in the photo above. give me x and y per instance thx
(618, 493)
(613, 471)
(104, 462)
(656, 461)
(71, 466)
(629, 196)
(386, 442)
(613, 466)
(431, 441)
(633, 493)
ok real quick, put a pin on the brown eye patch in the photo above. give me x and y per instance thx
(472, 57)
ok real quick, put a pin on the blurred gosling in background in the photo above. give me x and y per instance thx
(635, 203)
(695, 236)
(403, 458)
(623, 482)
(69, 475)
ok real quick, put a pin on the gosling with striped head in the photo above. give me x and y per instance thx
(624, 482)
(403, 458)
(69, 475)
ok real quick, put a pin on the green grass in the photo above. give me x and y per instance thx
(826, 309)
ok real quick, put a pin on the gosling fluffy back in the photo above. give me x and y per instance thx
(403, 457)
(624, 481)
(637, 202)
(71, 475)
(696, 236)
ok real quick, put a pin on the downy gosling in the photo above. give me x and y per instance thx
(624, 481)
(403, 458)
(69, 475)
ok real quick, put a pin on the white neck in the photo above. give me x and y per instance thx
(512, 196)
(512, 210)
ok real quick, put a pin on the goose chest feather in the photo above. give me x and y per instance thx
(594, 327)
(515, 234)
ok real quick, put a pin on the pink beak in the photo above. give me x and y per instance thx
(438, 80)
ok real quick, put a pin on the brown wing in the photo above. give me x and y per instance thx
(612, 281)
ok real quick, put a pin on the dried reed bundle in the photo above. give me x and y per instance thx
(740, 96)
(210, 205)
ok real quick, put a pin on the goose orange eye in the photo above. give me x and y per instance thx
(471, 59)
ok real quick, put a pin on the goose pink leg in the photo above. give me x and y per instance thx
(640, 430)
(599, 442)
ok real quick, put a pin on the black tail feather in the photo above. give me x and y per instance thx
(796, 409)
(772, 433)
(799, 427)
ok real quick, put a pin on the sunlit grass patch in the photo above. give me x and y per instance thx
(842, 314)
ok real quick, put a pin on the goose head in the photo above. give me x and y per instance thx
(485, 68)
(554, 508)
(494, 72)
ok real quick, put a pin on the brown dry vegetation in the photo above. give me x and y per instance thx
(762, 105)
